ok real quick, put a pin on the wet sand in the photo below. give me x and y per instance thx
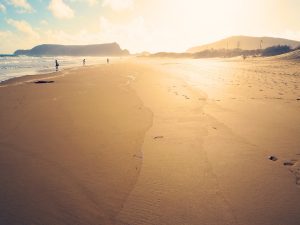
(153, 142)
(69, 149)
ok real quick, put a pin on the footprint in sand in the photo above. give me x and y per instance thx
(138, 156)
(186, 97)
(289, 162)
(294, 167)
(158, 137)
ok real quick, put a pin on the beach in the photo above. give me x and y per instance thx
(153, 141)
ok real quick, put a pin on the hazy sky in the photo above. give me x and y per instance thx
(138, 25)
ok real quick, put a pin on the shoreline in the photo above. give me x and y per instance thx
(27, 78)
(44, 65)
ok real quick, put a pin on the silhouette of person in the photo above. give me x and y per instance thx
(56, 65)
(107, 60)
(83, 62)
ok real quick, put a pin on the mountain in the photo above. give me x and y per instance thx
(245, 43)
(111, 49)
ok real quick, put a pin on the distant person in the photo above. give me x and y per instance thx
(56, 65)
(107, 60)
(83, 62)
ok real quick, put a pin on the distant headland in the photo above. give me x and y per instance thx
(109, 49)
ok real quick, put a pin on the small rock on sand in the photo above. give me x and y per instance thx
(273, 158)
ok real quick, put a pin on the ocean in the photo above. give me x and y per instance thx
(17, 66)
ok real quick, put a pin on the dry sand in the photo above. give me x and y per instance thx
(153, 142)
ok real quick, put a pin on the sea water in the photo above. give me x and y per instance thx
(17, 66)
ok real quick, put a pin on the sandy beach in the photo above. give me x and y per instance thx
(153, 141)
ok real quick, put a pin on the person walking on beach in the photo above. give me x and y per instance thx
(56, 65)
(107, 60)
(83, 62)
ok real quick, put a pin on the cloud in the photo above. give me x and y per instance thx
(5, 34)
(90, 2)
(6, 37)
(60, 9)
(23, 5)
(126, 34)
(287, 34)
(2, 8)
(133, 34)
(80, 37)
(119, 5)
(44, 22)
(292, 34)
(10, 42)
(23, 27)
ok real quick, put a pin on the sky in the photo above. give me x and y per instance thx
(143, 25)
